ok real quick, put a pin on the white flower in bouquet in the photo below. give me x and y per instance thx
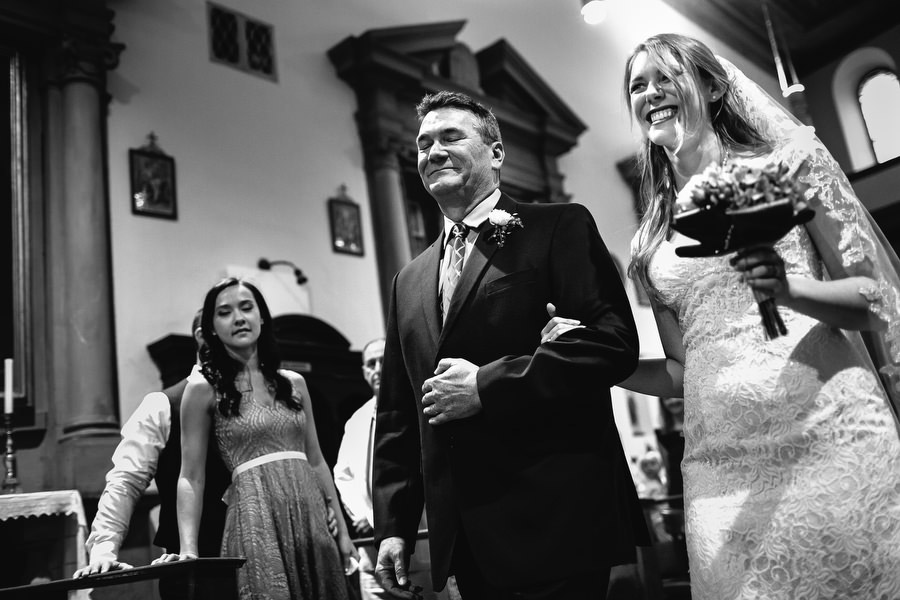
(734, 207)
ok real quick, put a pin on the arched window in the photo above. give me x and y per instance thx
(879, 99)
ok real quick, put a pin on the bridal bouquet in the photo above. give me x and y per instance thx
(734, 207)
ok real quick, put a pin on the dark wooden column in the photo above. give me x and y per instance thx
(388, 214)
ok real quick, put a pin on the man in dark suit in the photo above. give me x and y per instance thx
(510, 443)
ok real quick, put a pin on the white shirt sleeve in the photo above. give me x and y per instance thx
(349, 469)
(144, 436)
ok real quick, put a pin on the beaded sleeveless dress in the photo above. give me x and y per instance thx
(277, 511)
(792, 461)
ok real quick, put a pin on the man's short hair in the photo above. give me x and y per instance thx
(486, 126)
(370, 342)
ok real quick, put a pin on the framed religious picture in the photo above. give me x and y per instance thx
(153, 191)
(346, 226)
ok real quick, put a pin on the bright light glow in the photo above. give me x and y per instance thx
(594, 12)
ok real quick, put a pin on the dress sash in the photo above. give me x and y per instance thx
(267, 458)
(260, 460)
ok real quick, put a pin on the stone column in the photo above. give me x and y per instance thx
(84, 397)
(84, 376)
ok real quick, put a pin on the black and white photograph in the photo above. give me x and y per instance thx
(470, 300)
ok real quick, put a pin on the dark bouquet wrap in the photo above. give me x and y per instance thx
(736, 207)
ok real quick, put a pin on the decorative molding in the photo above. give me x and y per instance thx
(73, 36)
(391, 69)
(87, 60)
(506, 76)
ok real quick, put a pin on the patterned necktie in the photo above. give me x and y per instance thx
(458, 234)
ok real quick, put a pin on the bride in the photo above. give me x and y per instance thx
(792, 460)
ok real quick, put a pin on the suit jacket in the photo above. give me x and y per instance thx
(538, 479)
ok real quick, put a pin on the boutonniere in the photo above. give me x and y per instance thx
(504, 224)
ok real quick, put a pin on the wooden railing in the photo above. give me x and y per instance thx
(194, 572)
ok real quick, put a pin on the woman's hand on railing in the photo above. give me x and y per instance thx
(101, 566)
(167, 557)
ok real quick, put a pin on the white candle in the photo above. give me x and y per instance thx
(7, 386)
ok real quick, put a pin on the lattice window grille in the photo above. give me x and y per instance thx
(241, 42)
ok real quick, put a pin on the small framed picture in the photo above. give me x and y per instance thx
(153, 192)
(346, 227)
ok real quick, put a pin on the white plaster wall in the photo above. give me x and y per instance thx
(845, 91)
(257, 160)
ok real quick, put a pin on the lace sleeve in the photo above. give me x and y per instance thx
(850, 244)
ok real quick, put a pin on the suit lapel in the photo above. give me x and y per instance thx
(482, 252)
(428, 293)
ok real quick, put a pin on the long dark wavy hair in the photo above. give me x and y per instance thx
(220, 369)
(669, 52)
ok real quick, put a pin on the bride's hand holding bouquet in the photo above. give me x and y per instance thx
(746, 210)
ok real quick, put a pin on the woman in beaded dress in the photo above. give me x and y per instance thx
(792, 460)
(281, 486)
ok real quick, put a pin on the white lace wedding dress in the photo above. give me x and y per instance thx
(792, 460)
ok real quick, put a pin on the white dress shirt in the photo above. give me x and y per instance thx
(352, 477)
(352, 471)
(144, 436)
(135, 459)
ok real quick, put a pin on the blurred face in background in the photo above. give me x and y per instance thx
(373, 355)
(651, 465)
(674, 406)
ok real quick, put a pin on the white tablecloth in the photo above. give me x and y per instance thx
(59, 502)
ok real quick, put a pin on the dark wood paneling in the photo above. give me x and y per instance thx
(817, 31)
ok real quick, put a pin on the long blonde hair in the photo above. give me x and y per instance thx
(730, 123)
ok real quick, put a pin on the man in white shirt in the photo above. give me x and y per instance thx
(353, 469)
(352, 477)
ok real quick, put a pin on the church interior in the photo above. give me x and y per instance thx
(153, 148)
